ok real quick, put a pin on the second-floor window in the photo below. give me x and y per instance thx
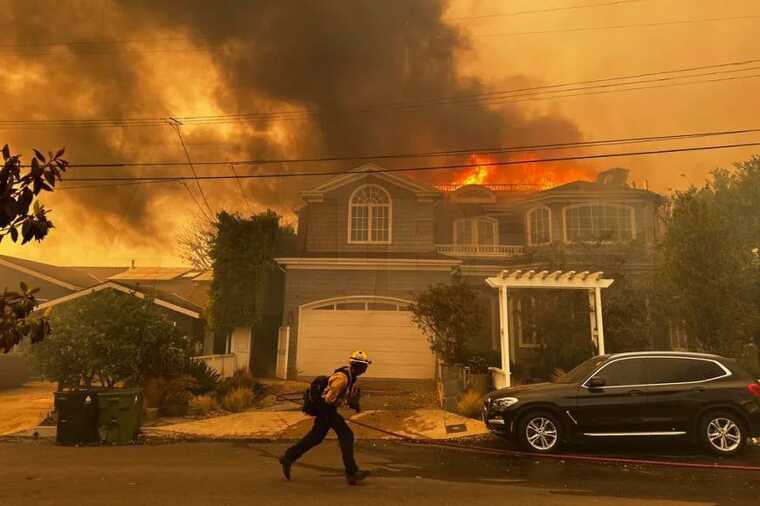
(597, 222)
(539, 226)
(476, 231)
(370, 215)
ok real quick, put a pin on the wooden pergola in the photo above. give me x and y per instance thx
(568, 280)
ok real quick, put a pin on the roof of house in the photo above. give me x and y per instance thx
(179, 284)
(73, 278)
(152, 273)
(163, 298)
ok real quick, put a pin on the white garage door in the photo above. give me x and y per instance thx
(329, 332)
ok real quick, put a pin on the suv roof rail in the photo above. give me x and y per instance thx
(665, 353)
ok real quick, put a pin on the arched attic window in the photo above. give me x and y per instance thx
(369, 215)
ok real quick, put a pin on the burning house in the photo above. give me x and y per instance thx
(369, 241)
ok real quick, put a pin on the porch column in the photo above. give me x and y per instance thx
(599, 322)
(505, 345)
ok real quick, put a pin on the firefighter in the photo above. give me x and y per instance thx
(340, 388)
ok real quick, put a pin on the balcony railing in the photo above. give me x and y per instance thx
(480, 250)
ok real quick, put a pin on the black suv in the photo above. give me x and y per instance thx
(668, 394)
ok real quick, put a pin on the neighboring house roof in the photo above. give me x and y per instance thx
(422, 191)
(162, 298)
(72, 278)
(152, 273)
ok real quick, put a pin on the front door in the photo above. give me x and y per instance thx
(618, 407)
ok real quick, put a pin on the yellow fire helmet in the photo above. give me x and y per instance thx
(359, 356)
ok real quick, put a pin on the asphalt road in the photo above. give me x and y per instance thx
(188, 474)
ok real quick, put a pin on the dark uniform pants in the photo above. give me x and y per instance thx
(328, 418)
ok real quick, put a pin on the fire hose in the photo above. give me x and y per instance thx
(550, 456)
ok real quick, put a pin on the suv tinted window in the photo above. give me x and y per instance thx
(624, 372)
(681, 370)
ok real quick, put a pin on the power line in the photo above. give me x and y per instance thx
(616, 27)
(248, 203)
(491, 97)
(540, 11)
(176, 124)
(423, 168)
(430, 154)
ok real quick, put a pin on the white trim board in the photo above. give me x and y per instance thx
(399, 264)
(39, 275)
(121, 288)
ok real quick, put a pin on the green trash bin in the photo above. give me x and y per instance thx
(77, 417)
(120, 415)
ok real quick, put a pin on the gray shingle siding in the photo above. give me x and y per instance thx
(325, 225)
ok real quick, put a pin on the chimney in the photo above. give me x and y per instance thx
(617, 177)
(133, 264)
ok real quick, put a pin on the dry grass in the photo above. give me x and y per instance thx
(470, 404)
(203, 404)
(238, 400)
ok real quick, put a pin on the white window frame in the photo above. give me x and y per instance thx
(370, 207)
(476, 231)
(531, 242)
(598, 204)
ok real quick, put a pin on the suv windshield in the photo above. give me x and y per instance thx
(581, 371)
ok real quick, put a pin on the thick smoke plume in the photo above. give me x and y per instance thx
(158, 58)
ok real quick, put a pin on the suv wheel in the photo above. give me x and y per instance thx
(539, 432)
(722, 432)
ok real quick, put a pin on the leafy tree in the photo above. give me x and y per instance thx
(451, 316)
(23, 217)
(710, 268)
(109, 337)
(243, 252)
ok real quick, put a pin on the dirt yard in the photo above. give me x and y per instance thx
(23, 408)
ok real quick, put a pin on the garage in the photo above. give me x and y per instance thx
(330, 330)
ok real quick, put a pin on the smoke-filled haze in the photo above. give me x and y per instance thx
(84, 59)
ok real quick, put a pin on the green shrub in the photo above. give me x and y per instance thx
(203, 404)
(109, 337)
(205, 376)
(238, 400)
(242, 379)
(177, 395)
(153, 392)
(470, 404)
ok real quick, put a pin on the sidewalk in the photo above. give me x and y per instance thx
(293, 424)
(23, 408)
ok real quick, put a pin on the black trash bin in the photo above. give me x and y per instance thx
(77, 417)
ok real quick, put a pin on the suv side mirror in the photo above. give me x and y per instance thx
(596, 382)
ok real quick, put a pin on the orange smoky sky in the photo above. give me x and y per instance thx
(111, 59)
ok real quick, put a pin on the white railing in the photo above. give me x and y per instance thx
(224, 364)
(462, 250)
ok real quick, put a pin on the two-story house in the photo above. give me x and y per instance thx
(370, 241)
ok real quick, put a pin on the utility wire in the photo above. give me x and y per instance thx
(616, 27)
(176, 125)
(424, 167)
(500, 96)
(540, 11)
(452, 152)
(247, 202)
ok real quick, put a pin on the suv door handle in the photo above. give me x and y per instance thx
(635, 392)
(698, 389)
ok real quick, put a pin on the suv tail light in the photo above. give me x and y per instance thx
(754, 389)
